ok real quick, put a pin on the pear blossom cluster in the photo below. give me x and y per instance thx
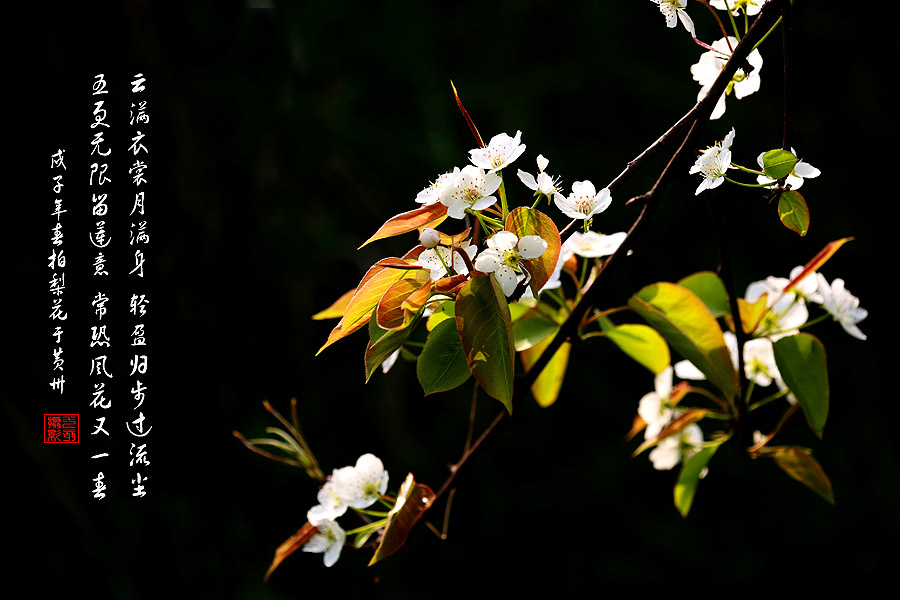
(358, 487)
(656, 410)
(786, 313)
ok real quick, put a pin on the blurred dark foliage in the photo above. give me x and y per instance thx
(281, 137)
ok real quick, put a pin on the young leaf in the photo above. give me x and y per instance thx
(482, 319)
(444, 311)
(685, 322)
(546, 387)
(689, 477)
(371, 290)
(803, 366)
(392, 311)
(793, 212)
(412, 501)
(336, 310)
(707, 286)
(778, 163)
(640, 342)
(818, 260)
(430, 215)
(528, 221)
(442, 364)
(799, 464)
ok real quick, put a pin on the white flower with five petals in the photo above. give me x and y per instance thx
(505, 254)
(674, 11)
(584, 202)
(713, 164)
(469, 188)
(711, 63)
(329, 539)
(544, 183)
(360, 486)
(499, 153)
(593, 244)
(842, 305)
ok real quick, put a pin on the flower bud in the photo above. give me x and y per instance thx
(429, 238)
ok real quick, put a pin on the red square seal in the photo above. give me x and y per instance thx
(60, 429)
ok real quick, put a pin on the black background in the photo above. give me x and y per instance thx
(280, 138)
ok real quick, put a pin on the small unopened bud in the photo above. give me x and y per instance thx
(429, 238)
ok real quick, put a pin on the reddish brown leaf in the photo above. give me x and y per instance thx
(291, 545)
(429, 215)
(412, 502)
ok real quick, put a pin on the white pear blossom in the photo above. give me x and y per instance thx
(437, 260)
(499, 153)
(711, 63)
(654, 406)
(842, 305)
(676, 448)
(361, 485)
(504, 255)
(432, 193)
(759, 362)
(801, 171)
(713, 164)
(471, 188)
(329, 540)
(584, 202)
(595, 245)
(331, 505)
(786, 312)
(673, 11)
(544, 183)
(750, 7)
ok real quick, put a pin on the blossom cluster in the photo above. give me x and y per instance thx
(357, 487)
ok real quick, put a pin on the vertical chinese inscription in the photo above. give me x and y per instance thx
(139, 238)
(57, 265)
(99, 189)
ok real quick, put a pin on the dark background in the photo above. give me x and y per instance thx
(280, 138)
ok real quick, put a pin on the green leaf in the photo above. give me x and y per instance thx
(799, 464)
(689, 477)
(383, 343)
(793, 212)
(443, 312)
(530, 331)
(685, 322)
(546, 387)
(412, 501)
(803, 366)
(642, 343)
(442, 364)
(529, 221)
(778, 163)
(707, 286)
(482, 319)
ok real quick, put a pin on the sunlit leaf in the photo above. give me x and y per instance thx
(392, 311)
(370, 292)
(442, 364)
(336, 310)
(412, 501)
(642, 343)
(530, 331)
(799, 464)
(445, 310)
(685, 322)
(752, 313)
(793, 211)
(707, 286)
(689, 477)
(529, 221)
(482, 319)
(429, 215)
(547, 385)
(291, 545)
(468, 119)
(803, 366)
(778, 163)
